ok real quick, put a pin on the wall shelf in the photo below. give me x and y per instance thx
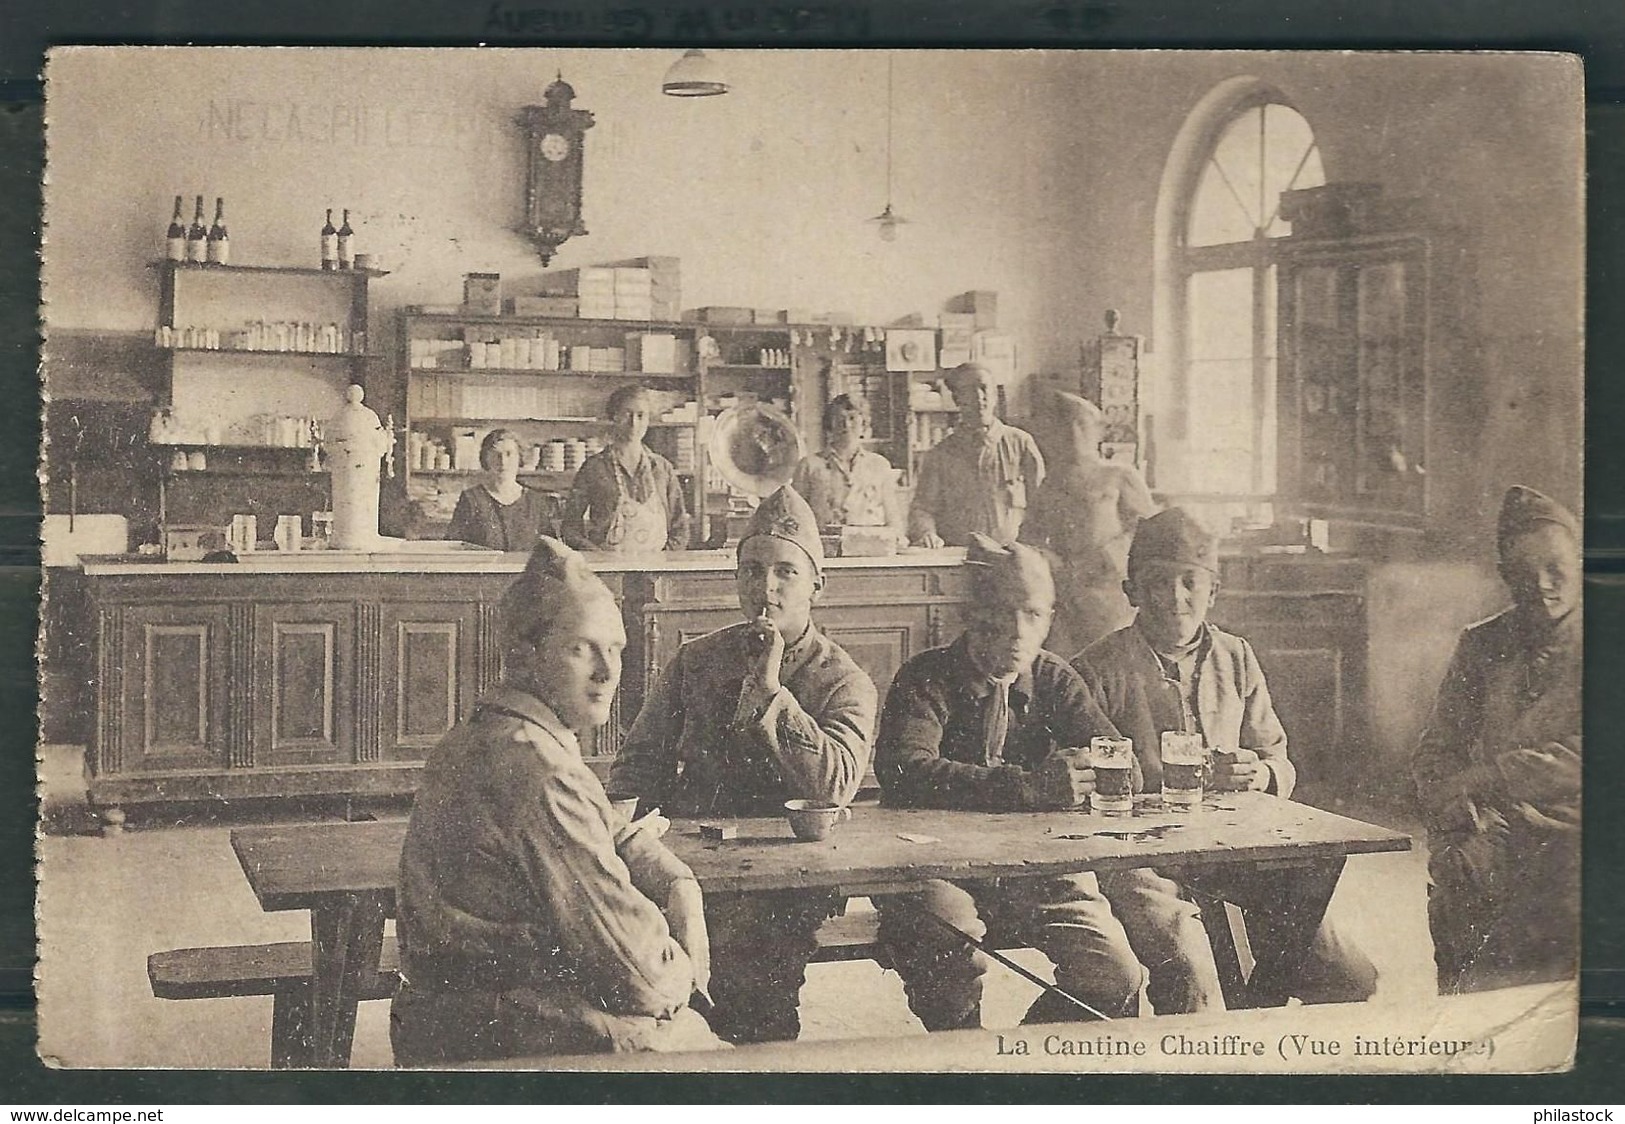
(561, 322)
(434, 420)
(533, 372)
(260, 352)
(180, 473)
(290, 270)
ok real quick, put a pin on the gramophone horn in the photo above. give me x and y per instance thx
(756, 449)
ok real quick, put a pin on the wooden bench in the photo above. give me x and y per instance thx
(283, 971)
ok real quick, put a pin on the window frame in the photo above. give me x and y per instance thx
(1176, 262)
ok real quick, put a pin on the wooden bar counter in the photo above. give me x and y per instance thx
(326, 673)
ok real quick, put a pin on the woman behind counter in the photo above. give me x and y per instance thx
(500, 512)
(845, 484)
(626, 498)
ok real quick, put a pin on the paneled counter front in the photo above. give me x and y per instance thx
(327, 673)
(333, 674)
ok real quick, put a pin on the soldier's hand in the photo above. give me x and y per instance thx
(767, 649)
(1061, 781)
(931, 541)
(1550, 772)
(685, 914)
(1238, 770)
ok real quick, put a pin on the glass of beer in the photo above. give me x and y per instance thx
(1184, 761)
(1112, 759)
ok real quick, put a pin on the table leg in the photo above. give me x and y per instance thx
(1282, 906)
(346, 938)
(1224, 925)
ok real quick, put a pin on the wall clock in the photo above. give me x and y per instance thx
(554, 151)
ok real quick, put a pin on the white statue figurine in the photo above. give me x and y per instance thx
(356, 441)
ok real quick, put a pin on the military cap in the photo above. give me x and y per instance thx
(1174, 535)
(785, 515)
(1017, 568)
(554, 577)
(1523, 509)
(1075, 409)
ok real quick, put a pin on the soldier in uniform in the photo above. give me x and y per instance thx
(533, 918)
(1498, 769)
(740, 721)
(1171, 670)
(983, 725)
(979, 478)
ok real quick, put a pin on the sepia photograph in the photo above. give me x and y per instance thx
(1013, 561)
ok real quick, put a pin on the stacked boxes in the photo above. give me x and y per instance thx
(983, 304)
(647, 288)
(634, 295)
(664, 284)
(595, 293)
(651, 352)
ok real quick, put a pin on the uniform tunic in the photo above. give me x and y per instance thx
(602, 484)
(1505, 900)
(1230, 702)
(691, 751)
(484, 521)
(862, 494)
(527, 917)
(931, 750)
(977, 480)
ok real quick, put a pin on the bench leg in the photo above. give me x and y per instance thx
(290, 1028)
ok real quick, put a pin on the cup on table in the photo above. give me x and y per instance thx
(814, 819)
(625, 806)
(1112, 759)
(1184, 764)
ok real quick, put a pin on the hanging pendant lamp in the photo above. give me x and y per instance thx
(694, 76)
(888, 219)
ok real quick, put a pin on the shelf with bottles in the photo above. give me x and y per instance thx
(542, 372)
(544, 346)
(572, 421)
(286, 270)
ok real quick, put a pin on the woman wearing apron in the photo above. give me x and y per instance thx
(626, 498)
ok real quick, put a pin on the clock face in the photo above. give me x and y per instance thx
(555, 147)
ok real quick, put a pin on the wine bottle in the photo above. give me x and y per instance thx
(197, 238)
(330, 243)
(219, 239)
(346, 243)
(175, 248)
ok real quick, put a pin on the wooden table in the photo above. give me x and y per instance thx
(345, 873)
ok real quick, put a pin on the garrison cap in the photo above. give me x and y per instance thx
(999, 569)
(554, 577)
(1523, 509)
(1174, 535)
(785, 515)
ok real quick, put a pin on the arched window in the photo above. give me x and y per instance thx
(1218, 222)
